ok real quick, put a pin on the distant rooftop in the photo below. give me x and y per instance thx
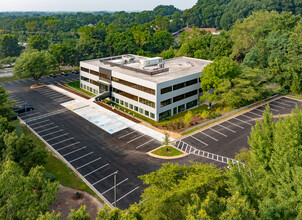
(151, 69)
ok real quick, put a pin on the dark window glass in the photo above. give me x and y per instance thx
(189, 94)
(191, 104)
(147, 113)
(178, 98)
(165, 114)
(131, 106)
(166, 90)
(181, 108)
(102, 75)
(135, 108)
(85, 69)
(94, 82)
(147, 102)
(94, 73)
(152, 115)
(133, 85)
(178, 86)
(128, 95)
(103, 87)
(191, 82)
(166, 102)
(175, 111)
(84, 78)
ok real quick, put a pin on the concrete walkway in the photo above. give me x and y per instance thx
(103, 118)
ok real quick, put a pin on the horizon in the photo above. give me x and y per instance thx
(90, 5)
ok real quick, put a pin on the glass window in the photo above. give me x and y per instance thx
(84, 86)
(117, 101)
(178, 86)
(175, 111)
(165, 114)
(131, 106)
(141, 111)
(147, 102)
(112, 99)
(147, 113)
(135, 108)
(84, 79)
(122, 102)
(166, 90)
(94, 91)
(133, 85)
(94, 72)
(126, 104)
(191, 104)
(128, 95)
(178, 98)
(85, 69)
(90, 89)
(81, 85)
(181, 108)
(166, 102)
(191, 82)
(104, 76)
(152, 115)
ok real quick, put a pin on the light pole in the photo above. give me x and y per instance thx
(115, 188)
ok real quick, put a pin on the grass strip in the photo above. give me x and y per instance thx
(172, 151)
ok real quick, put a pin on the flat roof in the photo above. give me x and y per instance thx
(173, 68)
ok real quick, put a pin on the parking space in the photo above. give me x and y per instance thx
(228, 137)
(53, 95)
(95, 168)
(135, 140)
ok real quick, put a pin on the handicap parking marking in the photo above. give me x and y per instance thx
(96, 170)
(125, 195)
(88, 163)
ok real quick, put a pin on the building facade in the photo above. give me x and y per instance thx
(151, 87)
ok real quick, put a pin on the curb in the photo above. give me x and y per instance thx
(166, 158)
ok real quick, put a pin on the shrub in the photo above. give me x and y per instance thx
(205, 114)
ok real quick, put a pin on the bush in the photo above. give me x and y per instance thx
(205, 114)
(49, 176)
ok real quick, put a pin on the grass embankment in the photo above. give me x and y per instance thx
(295, 96)
(172, 152)
(76, 85)
(63, 173)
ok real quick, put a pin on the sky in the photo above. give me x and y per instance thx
(90, 5)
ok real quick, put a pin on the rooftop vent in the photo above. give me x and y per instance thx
(151, 61)
(127, 58)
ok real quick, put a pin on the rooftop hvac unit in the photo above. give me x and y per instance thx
(151, 61)
(161, 65)
(127, 58)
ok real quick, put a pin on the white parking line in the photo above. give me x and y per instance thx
(125, 195)
(276, 106)
(247, 116)
(10, 83)
(104, 178)
(276, 110)
(43, 125)
(39, 122)
(255, 114)
(29, 113)
(199, 140)
(290, 101)
(56, 137)
(47, 92)
(135, 138)
(96, 170)
(127, 134)
(88, 163)
(243, 121)
(70, 145)
(52, 133)
(235, 124)
(281, 103)
(113, 186)
(208, 136)
(144, 143)
(258, 110)
(47, 129)
(74, 151)
(81, 157)
(54, 95)
(227, 128)
(63, 141)
(218, 132)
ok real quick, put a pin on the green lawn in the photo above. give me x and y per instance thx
(161, 152)
(76, 85)
(63, 173)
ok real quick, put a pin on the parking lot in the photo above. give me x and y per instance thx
(228, 137)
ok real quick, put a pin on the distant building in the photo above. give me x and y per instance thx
(152, 87)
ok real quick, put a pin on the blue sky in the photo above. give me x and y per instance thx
(90, 5)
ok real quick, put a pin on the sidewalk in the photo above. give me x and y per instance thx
(102, 117)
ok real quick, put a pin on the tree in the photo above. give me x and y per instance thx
(64, 53)
(80, 214)
(6, 105)
(8, 60)
(24, 152)
(162, 40)
(168, 54)
(34, 64)
(9, 46)
(188, 118)
(166, 140)
(271, 178)
(49, 216)
(24, 197)
(38, 43)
